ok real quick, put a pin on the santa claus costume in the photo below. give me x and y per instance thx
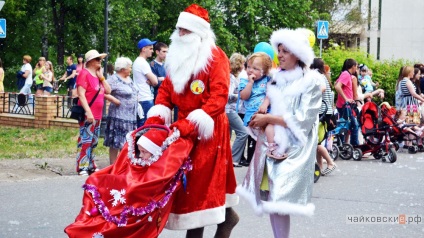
(197, 83)
(133, 197)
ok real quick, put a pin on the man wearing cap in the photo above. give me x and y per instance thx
(197, 82)
(143, 77)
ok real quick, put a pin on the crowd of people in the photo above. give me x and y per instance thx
(274, 112)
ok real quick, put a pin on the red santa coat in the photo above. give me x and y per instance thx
(211, 184)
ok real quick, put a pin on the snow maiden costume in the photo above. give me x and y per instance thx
(295, 95)
(198, 83)
(133, 197)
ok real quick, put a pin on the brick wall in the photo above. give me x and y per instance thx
(44, 115)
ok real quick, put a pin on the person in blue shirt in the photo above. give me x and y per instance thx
(70, 76)
(253, 91)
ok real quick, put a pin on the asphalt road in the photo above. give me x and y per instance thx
(368, 188)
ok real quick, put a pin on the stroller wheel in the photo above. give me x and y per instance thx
(412, 149)
(357, 154)
(317, 173)
(346, 151)
(378, 154)
(391, 156)
(334, 153)
(396, 145)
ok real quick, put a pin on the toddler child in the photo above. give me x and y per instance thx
(150, 143)
(253, 89)
(400, 118)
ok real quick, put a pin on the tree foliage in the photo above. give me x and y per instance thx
(56, 28)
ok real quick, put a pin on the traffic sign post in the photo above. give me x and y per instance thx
(2, 28)
(322, 33)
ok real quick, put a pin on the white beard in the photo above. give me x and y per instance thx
(187, 56)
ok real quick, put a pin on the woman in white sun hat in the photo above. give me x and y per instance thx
(277, 187)
(91, 88)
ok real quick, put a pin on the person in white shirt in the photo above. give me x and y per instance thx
(27, 69)
(144, 78)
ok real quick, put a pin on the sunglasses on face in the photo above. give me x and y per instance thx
(98, 59)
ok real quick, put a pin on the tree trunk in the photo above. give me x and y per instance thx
(59, 26)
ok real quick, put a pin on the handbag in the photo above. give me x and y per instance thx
(78, 112)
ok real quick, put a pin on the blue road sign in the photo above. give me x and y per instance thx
(2, 28)
(322, 30)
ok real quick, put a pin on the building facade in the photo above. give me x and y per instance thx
(394, 29)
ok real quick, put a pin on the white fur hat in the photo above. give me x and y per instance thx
(296, 42)
(196, 19)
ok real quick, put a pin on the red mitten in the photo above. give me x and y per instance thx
(185, 127)
(155, 120)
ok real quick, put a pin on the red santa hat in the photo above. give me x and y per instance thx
(195, 19)
(152, 140)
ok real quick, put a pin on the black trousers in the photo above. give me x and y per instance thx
(251, 145)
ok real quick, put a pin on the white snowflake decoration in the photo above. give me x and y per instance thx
(118, 196)
(150, 219)
(98, 235)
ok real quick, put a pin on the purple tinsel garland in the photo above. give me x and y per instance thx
(139, 211)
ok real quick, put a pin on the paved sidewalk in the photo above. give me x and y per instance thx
(43, 207)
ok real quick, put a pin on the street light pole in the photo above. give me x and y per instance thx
(106, 35)
(106, 50)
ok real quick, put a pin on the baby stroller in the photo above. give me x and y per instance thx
(397, 134)
(335, 139)
(376, 132)
(133, 197)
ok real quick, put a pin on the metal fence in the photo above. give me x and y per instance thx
(18, 103)
(63, 105)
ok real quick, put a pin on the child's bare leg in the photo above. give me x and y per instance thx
(270, 133)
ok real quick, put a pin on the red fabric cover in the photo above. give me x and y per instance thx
(198, 11)
(213, 174)
(142, 185)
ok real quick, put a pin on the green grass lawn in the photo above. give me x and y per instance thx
(21, 143)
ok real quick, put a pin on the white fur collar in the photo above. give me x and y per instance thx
(284, 76)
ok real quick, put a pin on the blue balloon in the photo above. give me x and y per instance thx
(266, 48)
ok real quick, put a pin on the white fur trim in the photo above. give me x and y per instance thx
(296, 42)
(196, 219)
(148, 145)
(203, 122)
(281, 208)
(185, 59)
(287, 208)
(231, 200)
(162, 111)
(250, 198)
(193, 23)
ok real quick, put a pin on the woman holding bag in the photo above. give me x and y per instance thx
(91, 87)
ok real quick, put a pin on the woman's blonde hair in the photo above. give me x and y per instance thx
(50, 67)
(265, 60)
(406, 71)
(27, 58)
(237, 61)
